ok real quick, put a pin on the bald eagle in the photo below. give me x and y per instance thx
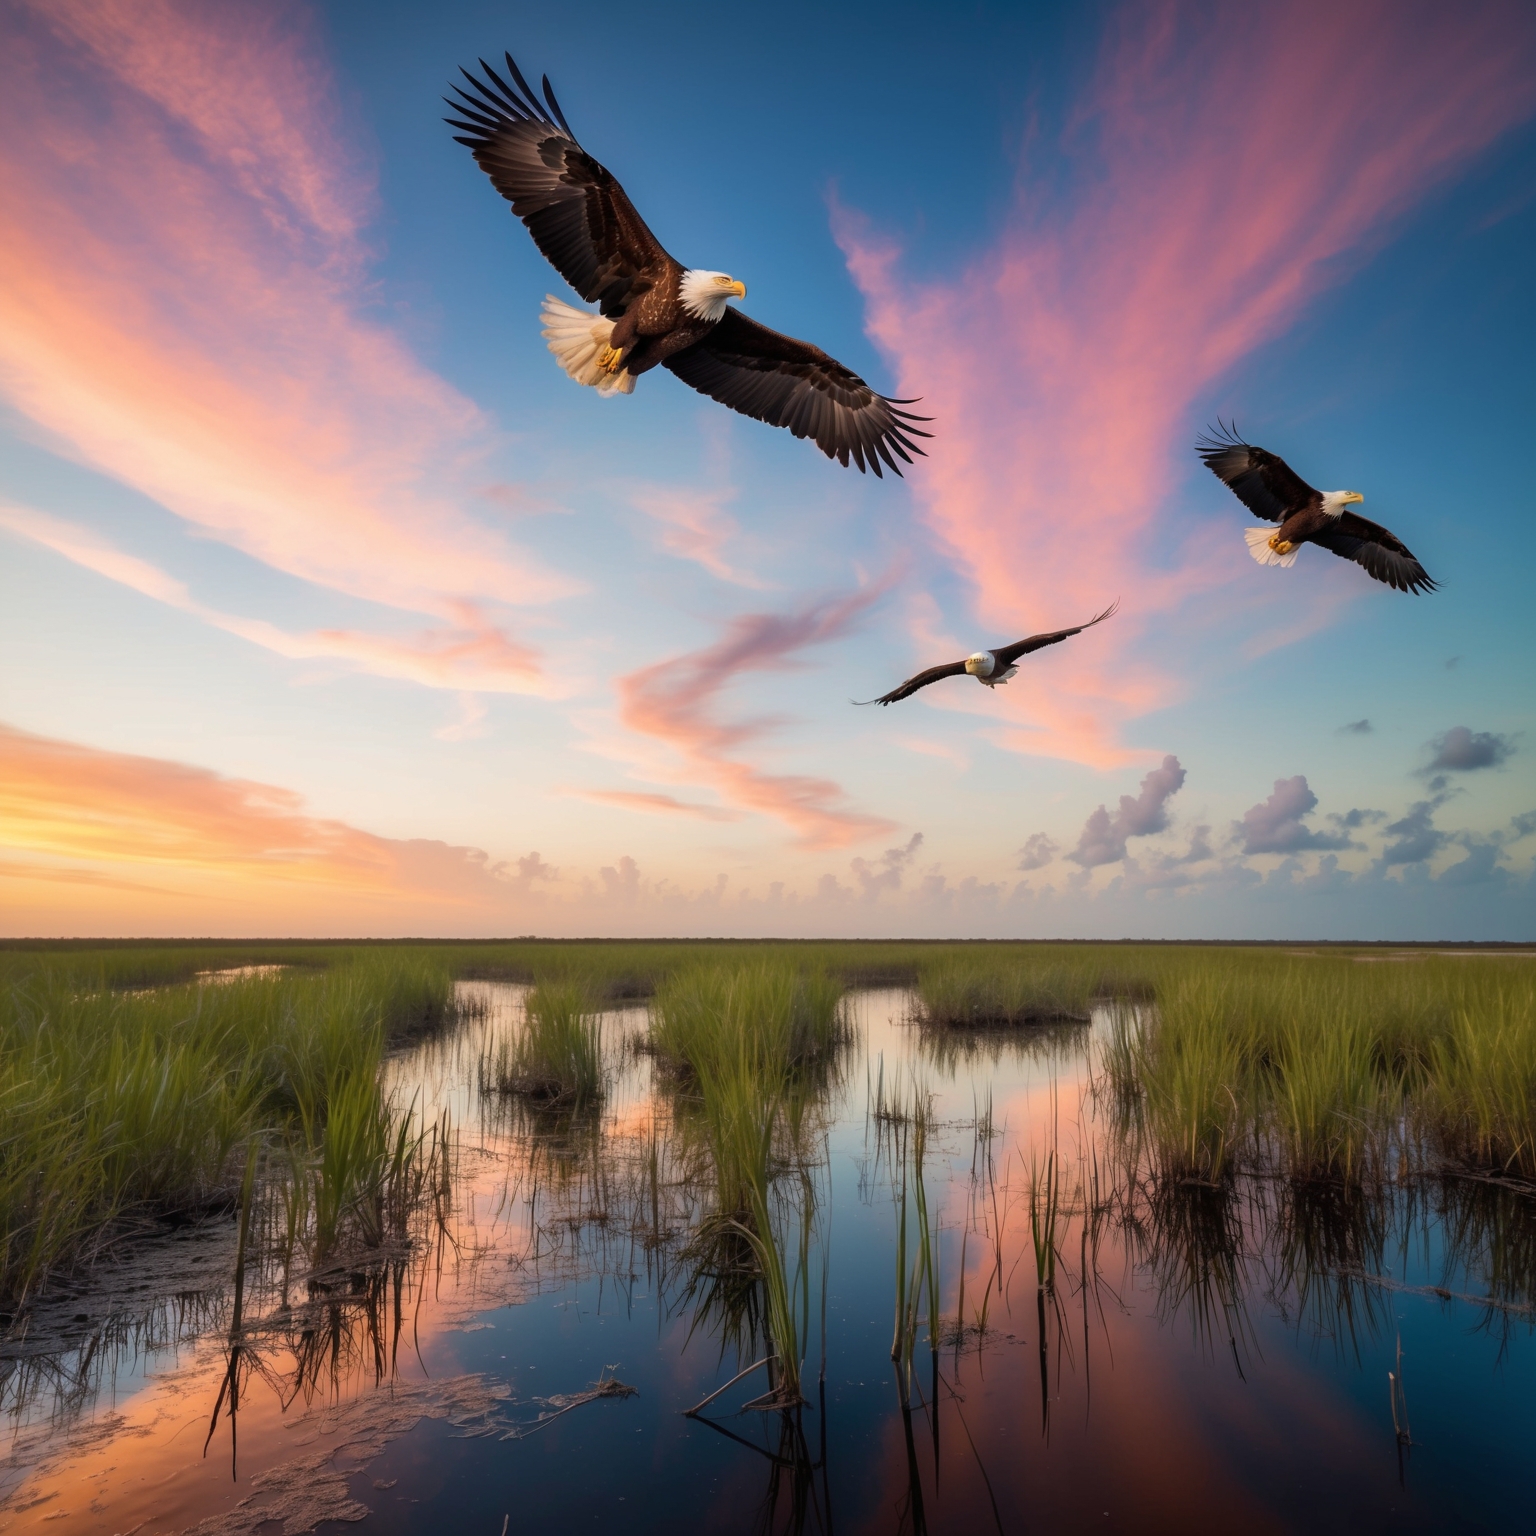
(652, 309)
(1271, 489)
(989, 668)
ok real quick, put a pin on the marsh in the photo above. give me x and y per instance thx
(972, 1237)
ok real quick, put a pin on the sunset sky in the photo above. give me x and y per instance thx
(329, 605)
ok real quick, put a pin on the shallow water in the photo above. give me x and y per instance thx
(1202, 1360)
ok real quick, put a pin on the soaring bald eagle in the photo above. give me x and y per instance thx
(652, 308)
(1271, 489)
(988, 667)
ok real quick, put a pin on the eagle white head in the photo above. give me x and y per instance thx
(705, 294)
(1334, 502)
(982, 665)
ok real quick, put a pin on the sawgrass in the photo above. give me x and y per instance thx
(1480, 1098)
(121, 1107)
(742, 1249)
(614, 970)
(357, 1179)
(1186, 1064)
(119, 1103)
(766, 1017)
(1323, 1067)
(557, 1055)
(750, 1047)
(981, 989)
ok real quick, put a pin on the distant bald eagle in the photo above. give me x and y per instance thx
(653, 309)
(988, 667)
(1271, 489)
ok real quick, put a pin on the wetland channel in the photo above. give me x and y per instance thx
(1114, 1351)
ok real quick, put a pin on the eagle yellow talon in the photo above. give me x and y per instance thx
(1281, 546)
(610, 361)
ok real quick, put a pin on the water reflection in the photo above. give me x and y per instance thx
(1010, 1229)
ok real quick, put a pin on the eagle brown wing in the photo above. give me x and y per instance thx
(912, 684)
(1008, 654)
(575, 209)
(790, 383)
(1379, 551)
(1261, 480)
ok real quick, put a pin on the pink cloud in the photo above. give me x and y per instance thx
(99, 841)
(674, 702)
(104, 811)
(181, 294)
(694, 525)
(1231, 163)
(262, 131)
(657, 804)
(471, 653)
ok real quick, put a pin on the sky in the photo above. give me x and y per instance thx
(330, 606)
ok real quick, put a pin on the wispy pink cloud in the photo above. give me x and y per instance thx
(1231, 163)
(676, 702)
(182, 285)
(259, 122)
(694, 525)
(658, 804)
(470, 653)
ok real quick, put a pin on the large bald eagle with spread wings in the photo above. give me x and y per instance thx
(989, 668)
(652, 309)
(1271, 489)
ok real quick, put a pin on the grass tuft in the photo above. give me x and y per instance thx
(557, 1055)
(987, 989)
(119, 1108)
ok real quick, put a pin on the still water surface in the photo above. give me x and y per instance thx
(1200, 1360)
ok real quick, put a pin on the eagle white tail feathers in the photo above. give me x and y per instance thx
(1258, 546)
(578, 337)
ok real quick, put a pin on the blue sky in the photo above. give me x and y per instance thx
(327, 602)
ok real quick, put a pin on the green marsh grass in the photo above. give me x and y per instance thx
(363, 1171)
(120, 1105)
(1187, 1064)
(750, 1049)
(990, 989)
(1323, 1067)
(1044, 1218)
(1480, 1101)
(749, 1258)
(771, 1017)
(120, 1108)
(557, 1054)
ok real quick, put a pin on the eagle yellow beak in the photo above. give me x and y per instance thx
(1354, 496)
(739, 289)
